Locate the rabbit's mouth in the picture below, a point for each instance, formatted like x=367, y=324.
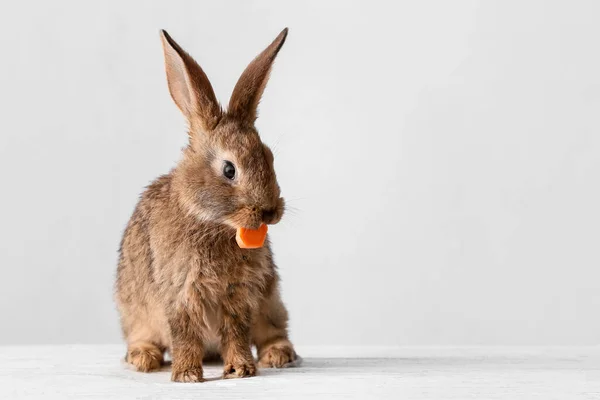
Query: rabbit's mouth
x=251, y=217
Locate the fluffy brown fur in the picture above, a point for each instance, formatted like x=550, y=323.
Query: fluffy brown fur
x=183, y=284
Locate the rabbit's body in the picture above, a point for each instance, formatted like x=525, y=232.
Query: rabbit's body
x=171, y=260
x=183, y=284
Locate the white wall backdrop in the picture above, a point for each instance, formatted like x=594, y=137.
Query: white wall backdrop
x=442, y=160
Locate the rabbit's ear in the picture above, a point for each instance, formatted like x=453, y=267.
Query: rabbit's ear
x=249, y=88
x=189, y=86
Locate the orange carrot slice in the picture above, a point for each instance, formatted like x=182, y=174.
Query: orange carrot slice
x=251, y=238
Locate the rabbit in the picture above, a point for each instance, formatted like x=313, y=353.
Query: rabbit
x=183, y=285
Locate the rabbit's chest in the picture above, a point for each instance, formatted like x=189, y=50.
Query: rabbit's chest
x=238, y=268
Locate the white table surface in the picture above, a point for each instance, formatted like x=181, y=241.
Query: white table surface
x=96, y=372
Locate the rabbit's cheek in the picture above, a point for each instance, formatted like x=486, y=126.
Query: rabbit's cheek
x=214, y=206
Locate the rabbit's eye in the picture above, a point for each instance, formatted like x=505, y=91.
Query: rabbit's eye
x=228, y=170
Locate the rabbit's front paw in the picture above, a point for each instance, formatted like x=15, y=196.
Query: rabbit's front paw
x=187, y=375
x=239, y=370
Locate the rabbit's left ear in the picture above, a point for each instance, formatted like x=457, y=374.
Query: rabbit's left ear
x=189, y=86
x=251, y=85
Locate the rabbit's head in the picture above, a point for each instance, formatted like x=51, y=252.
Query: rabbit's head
x=226, y=174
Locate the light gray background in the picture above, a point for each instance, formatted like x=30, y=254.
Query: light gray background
x=441, y=158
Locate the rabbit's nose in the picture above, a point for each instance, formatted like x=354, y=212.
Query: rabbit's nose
x=269, y=215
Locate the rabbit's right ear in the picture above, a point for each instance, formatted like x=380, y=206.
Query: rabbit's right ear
x=189, y=86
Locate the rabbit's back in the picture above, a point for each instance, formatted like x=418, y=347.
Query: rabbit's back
x=136, y=289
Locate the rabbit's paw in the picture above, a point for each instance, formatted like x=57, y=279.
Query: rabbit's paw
x=144, y=357
x=277, y=355
x=187, y=375
x=239, y=370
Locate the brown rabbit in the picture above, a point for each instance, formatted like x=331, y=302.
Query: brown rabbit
x=183, y=284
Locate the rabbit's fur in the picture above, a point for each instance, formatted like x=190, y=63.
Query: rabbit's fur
x=183, y=284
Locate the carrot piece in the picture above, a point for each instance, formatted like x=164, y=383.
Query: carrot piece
x=251, y=238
